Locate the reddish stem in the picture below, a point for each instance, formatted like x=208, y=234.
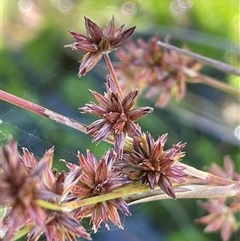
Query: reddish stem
x=113, y=74
x=25, y=104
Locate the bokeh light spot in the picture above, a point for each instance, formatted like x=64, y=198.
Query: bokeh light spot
x=231, y=113
x=64, y=5
x=175, y=7
x=25, y=5
x=129, y=8
x=232, y=57
x=237, y=132
x=185, y=3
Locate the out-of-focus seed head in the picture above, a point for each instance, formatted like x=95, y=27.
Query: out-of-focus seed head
x=220, y=218
x=222, y=211
x=227, y=172
x=160, y=71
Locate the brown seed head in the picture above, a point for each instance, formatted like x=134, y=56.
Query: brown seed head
x=118, y=115
x=97, y=42
x=61, y=225
x=98, y=177
x=151, y=164
x=21, y=186
x=23, y=182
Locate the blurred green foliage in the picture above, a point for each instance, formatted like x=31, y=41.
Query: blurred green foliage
x=35, y=66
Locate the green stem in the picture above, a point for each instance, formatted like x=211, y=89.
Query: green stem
x=229, y=188
x=48, y=205
x=22, y=232
x=136, y=192
x=130, y=189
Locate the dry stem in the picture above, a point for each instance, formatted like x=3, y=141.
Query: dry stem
x=25, y=104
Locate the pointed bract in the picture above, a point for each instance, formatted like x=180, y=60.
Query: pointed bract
x=21, y=185
x=98, y=41
x=99, y=178
x=149, y=163
x=118, y=116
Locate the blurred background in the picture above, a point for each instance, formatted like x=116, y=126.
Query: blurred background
x=36, y=67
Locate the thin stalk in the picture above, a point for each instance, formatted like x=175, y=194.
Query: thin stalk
x=208, y=61
x=198, y=176
x=228, y=188
x=130, y=189
x=196, y=77
x=187, y=192
x=37, y=109
x=135, y=193
x=219, y=85
x=113, y=74
x=49, y=205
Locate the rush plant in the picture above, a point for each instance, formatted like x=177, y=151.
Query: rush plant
x=36, y=199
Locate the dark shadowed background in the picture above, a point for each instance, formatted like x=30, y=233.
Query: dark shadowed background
x=35, y=66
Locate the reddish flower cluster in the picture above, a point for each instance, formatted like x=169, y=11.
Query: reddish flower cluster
x=221, y=217
x=221, y=211
x=98, y=41
x=99, y=177
x=149, y=163
x=33, y=195
x=118, y=115
x=148, y=65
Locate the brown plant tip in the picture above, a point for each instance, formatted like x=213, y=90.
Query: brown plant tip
x=60, y=226
x=160, y=71
x=97, y=42
x=98, y=177
x=21, y=187
x=23, y=182
x=149, y=163
x=118, y=115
